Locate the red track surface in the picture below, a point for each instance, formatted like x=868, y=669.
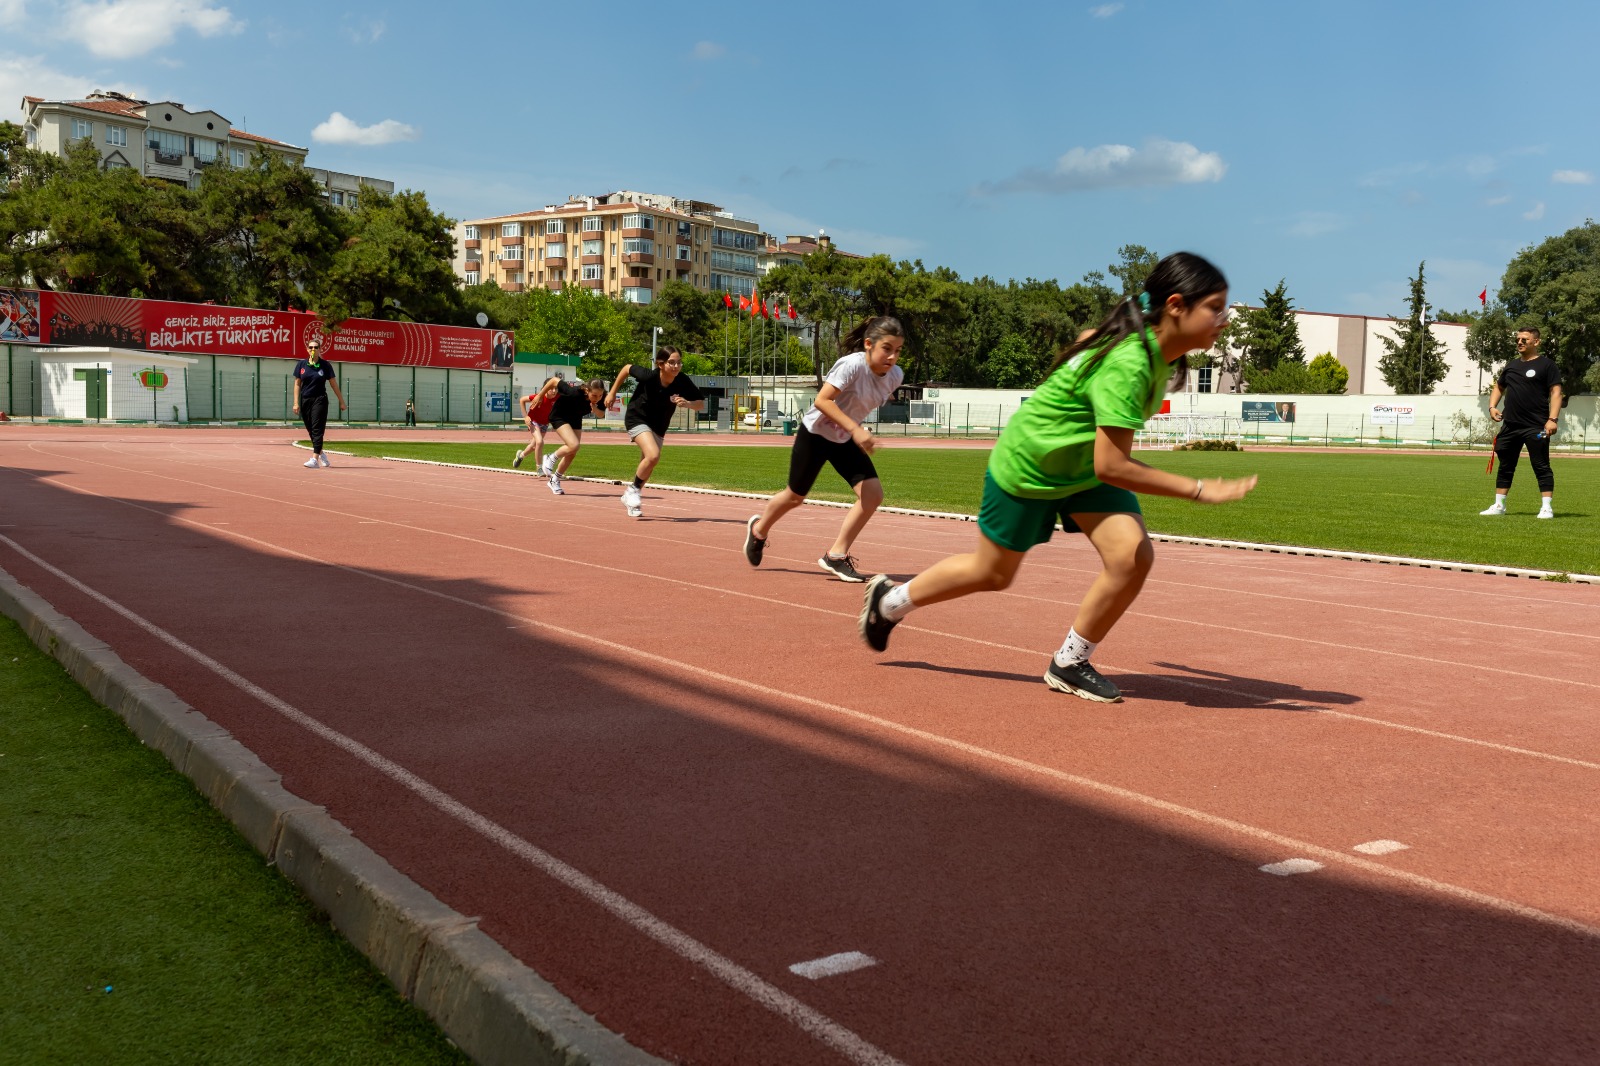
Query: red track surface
x=1040, y=879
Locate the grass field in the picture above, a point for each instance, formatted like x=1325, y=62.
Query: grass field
x=1416, y=505
x=139, y=927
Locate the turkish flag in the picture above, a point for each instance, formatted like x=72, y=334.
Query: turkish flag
x=1483, y=297
x=744, y=301
x=791, y=311
x=727, y=301
x=755, y=302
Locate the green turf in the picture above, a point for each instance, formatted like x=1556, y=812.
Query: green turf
x=140, y=928
x=1416, y=505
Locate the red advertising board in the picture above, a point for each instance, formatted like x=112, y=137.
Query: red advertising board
x=75, y=319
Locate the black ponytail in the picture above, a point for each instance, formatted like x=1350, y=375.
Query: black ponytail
x=1182, y=274
x=870, y=330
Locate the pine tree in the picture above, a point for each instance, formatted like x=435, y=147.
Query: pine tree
x=1268, y=334
x=1413, y=360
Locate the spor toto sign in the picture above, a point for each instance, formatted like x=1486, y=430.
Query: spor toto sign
x=76, y=319
x=1394, y=414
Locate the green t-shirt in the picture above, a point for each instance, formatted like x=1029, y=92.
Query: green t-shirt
x=1046, y=451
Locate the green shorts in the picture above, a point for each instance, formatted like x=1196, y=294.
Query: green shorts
x=1017, y=523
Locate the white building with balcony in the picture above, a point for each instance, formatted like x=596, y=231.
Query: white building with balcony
x=166, y=141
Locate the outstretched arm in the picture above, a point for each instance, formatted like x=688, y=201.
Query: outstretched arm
x=1114, y=464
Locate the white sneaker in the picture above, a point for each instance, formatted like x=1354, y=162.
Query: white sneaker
x=1545, y=512
x=323, y=459
x=555, y=485
x=548, y=466
x=1497, y=508
x=311, y=463
x=630, y=498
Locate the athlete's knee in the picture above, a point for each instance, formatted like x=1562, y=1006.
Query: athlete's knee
x=1130, y=560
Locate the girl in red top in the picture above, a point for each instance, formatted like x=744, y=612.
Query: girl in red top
x=536, y=408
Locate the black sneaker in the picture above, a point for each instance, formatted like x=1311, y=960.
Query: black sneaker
x=753, y=545
x=1083, y=680
x=873, y=625
x=844, y=569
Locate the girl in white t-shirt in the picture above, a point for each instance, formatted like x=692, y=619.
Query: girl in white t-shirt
x=832, y=432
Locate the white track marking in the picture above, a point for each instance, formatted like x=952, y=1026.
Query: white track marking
x=1380, y=847
x=833, y=965
x=1289, y=867
x=1130, y=797
x=810, y=1021
x=1174, y=678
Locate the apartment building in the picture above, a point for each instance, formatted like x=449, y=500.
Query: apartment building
x=625, y=244
x=166, y=141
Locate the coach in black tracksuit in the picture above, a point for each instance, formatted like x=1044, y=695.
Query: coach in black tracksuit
x=1530, y=385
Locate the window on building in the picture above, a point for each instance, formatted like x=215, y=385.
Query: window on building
x=635, y=295
x=594, y=247
x=168, y=144
x=613, y=249
x=471, y=233
x=593, y=224
x=593, y=272
x=350, y=201
x=336, y=199
x=510, y=229
x=683, y=253
x=555, y=251
x=510, y=254
x=639, y=222
x=117, y=135
x=555, y=225
x=637, y=246
x=205, y=151
x=734, y=261
x=685, y=229
x=1203, y=382
x=82, y=129
x=733, y=283
x=472, y=277
x=732, y=238
x=236, y=156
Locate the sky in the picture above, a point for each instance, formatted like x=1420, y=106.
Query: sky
x=1332, y=145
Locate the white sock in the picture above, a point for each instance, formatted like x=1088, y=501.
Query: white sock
x=1547, y=503
x=1074, y=650
x=896, y=603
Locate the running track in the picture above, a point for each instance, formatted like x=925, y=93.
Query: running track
x=625, y=707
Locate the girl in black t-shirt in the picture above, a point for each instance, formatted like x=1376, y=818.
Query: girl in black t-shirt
x=656, y=398
x=573, y=404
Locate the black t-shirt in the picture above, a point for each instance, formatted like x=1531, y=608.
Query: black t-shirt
x=313, y=379
x=1527, y=384
x=572, y=405
x=652, y=401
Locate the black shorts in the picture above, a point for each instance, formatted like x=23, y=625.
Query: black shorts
x=556, y=422
x=812, y=450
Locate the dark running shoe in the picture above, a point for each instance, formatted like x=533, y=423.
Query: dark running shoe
x=873, y=625
x=516, y=460
x=844, y=569
x=1083, y=680
x=753, y=545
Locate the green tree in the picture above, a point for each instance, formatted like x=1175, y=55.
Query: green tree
x=394, y=263
x=505, y=309
x=575, y=320
x=1013, y=364
x=1328, y=375
x=1287, y=377
x=1491, y=341
x=1269, y=335
x=1135, y=263
x=1413, y=359
x=1555, y=285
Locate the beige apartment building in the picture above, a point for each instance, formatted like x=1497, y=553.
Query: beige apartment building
x=165, y=141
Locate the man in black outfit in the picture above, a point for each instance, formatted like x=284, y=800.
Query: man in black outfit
x=1531, y=387
x=311, y=380
x=657, y=395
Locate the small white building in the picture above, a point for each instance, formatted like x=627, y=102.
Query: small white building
x=115, y=384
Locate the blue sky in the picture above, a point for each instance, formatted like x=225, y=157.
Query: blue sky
x=1333, y=145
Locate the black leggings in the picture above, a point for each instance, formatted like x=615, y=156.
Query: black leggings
x=314, y=413
x=1508, y=447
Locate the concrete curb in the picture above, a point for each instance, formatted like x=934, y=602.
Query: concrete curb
x=491, y=1005
x=1165, y=538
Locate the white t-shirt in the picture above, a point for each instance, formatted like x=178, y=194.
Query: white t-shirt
x=860, y=393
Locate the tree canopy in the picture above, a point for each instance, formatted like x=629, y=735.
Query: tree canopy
x=1413, y=359
x=1555, y=285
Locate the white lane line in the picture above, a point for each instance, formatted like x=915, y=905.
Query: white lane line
x=1380, y=847
x=1290, y=867
x=1174, y=678
x=628, y=653
x=812, y=1022
x=833, y=965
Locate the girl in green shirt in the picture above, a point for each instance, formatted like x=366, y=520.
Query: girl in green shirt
x=1067, y=456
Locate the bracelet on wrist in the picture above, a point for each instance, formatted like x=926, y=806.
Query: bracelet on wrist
x=1199, y=487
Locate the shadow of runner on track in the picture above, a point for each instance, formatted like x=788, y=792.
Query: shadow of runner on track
x=1013, y=921
x=1243, y=691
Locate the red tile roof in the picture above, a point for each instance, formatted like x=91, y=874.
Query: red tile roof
x=264, y=140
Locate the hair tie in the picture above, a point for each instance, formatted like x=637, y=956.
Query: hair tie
x=1144, y=302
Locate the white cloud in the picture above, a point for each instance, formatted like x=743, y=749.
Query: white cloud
x=340, y=130
x=1534, y=213
x=1496, y=201
x=29, y=76
x=1572, y=177
x=1105, y=11
x=367, y=31
x=119, y=29
x=1109, y=166
x=707, y=50
x=12, y=11
x=1315, y=224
